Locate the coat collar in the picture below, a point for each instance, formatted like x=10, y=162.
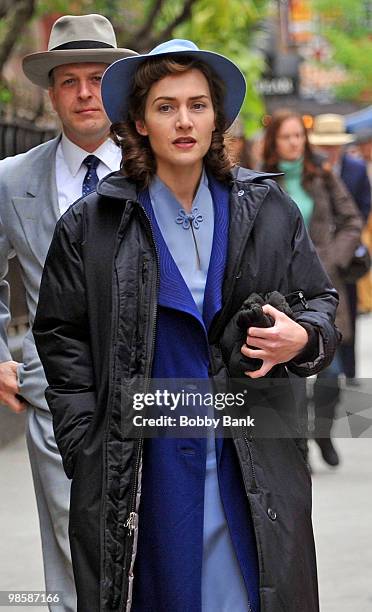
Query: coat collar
x=42, y=157
x=116, y=185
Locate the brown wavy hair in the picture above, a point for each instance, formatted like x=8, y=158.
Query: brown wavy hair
x=138, y=160
x=314, y=165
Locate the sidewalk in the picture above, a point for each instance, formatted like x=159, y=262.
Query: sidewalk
x=20, y=552
x=341, y=514
x=342, y=508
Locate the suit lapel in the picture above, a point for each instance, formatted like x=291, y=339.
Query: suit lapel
x=38, y=211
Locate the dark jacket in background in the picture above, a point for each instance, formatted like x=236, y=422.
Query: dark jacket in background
x=355, y=176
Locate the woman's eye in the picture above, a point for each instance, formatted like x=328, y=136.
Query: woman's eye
x=165, y=108
x=199, y=106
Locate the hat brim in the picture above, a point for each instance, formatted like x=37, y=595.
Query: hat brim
x=118, y=79
x=330, y=139
x=37, y=66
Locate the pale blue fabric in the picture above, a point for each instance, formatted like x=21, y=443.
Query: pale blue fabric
x=223, y=588
x=180, y=241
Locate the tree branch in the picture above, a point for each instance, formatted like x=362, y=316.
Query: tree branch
x=15, y=20
x=148, y=25
x=183, y=16
x=149, y=41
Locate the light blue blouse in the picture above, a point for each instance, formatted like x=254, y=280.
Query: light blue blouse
x=223, y=588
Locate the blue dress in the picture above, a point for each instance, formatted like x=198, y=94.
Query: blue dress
x=196, y=549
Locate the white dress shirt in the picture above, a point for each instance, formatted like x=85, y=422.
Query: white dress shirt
x=70, y=170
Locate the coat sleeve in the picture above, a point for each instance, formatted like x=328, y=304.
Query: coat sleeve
x=61, y=333
x=364, y=198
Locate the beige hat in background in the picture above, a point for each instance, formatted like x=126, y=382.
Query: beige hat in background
x=329, y=129
x=74, y=39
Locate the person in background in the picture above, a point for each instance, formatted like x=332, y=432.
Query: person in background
x=363, y=144
x=35, y=189
x=142, y=280
x=238, y=145
x=334, y=225
x=330, y=137
x=247, y=152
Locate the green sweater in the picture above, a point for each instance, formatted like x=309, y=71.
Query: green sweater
x=293, y=185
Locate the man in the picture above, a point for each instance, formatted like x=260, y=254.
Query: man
x=35, y=189
x=363, y=141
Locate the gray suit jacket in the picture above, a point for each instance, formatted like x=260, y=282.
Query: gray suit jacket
x=28, y=214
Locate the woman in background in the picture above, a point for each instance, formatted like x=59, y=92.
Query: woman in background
x=334, y=225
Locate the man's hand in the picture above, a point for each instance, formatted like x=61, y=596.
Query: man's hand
x=273, y=345
x=9, y=386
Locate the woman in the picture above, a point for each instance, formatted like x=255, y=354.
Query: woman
x=334, y=225
x=140, y=281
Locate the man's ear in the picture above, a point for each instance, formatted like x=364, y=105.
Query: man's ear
x=141, y=127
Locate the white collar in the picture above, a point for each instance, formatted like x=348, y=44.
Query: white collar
x=74, y=156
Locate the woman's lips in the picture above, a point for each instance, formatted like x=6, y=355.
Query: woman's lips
x=184, y=143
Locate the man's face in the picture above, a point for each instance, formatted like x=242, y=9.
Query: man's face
x=365, y=150
x=76, y=97
x=333, y=153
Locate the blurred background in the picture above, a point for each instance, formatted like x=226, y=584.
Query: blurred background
x=313, y=56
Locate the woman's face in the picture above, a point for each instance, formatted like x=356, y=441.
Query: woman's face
x=290, y=139
x=179, y=121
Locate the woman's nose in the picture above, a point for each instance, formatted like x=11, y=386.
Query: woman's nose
x=183, y=119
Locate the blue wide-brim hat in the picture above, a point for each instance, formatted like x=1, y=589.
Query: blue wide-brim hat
x=117, y=81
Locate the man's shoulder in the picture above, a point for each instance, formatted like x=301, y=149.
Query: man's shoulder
x=17, y=166
x=353, y=164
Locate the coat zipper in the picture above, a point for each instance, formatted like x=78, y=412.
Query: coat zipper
x=130, y=522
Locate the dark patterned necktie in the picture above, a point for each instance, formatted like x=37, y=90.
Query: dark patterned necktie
x=91, y=178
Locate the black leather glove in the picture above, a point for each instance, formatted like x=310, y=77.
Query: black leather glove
x=249, y=315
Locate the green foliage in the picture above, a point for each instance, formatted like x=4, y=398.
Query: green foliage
x=5, y=95
x=224, y=26
x=228, y=27
x=347, y=25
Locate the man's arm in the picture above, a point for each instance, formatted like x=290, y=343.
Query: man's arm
x=62, y=339
x=8, y=367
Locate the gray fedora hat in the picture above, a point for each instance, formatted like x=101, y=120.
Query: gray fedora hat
x=118, y=78
x=74, y=39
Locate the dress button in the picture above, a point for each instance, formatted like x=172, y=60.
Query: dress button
x=241, y=192
x=272, y=514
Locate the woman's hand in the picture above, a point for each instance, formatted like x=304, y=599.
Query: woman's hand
x=278, y=344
